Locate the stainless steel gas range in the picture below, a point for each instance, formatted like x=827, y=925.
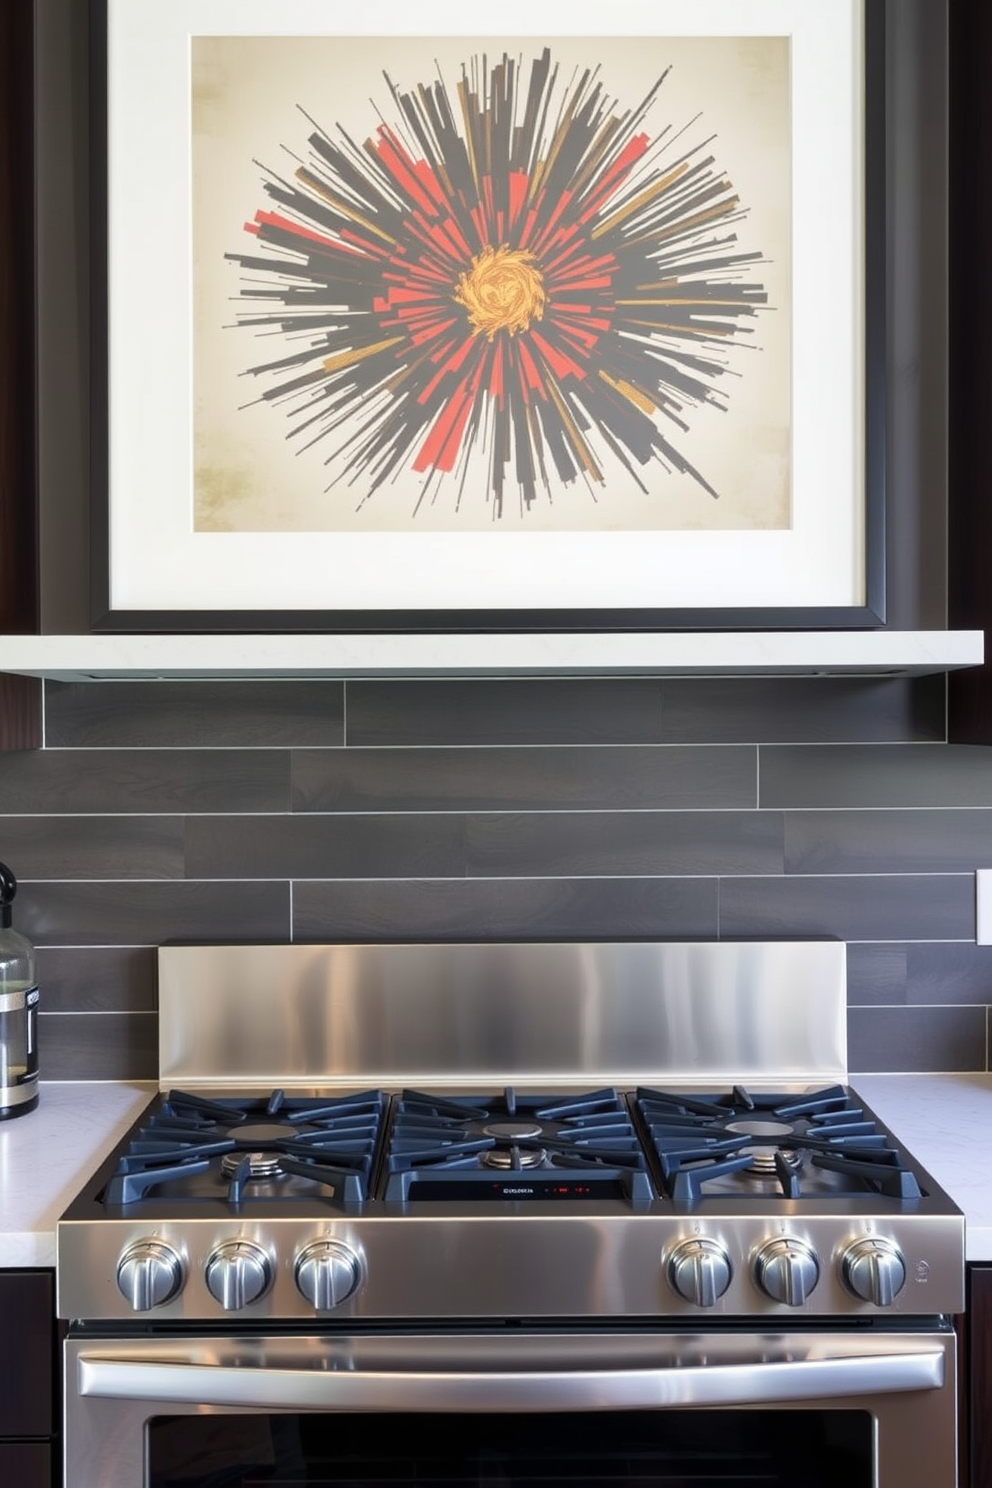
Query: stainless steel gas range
x=530, y=1186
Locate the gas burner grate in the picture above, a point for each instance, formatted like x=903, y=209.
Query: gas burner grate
x=513, y=1145
x=330, y=1141
x=818, y=1145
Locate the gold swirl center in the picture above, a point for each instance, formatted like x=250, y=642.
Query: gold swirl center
x=503, y=290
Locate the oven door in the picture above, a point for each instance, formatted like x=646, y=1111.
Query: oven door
x=517, y=1408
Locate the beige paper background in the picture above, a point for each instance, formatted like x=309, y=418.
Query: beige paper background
x=250, y=478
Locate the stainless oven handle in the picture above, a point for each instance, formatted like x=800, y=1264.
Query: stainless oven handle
x=751, y=1383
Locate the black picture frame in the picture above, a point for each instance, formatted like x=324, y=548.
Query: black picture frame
x=869, y=615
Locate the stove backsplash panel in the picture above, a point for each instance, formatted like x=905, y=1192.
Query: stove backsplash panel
x=481, y=1015
x=460, y=810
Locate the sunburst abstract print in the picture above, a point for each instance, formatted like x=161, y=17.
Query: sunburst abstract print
x=514, y=295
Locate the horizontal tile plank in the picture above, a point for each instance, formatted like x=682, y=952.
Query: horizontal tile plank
x=144, y=780
x=838, y=776
x=901, y=1040
x=529, y=778
x=97, y=1046
x=108, y=914
x=931, y=840
x=201, y=714
x=920, y=973
x=497, y=909
x=539, y=711
x=40, y=847
x=98, y=979
x=873, y=907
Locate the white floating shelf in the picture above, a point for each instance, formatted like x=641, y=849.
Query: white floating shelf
x=108, y=657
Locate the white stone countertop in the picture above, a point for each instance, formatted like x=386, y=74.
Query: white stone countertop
x=945, y=1121
x=46, y=1154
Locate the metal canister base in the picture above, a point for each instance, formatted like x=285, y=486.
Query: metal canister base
x=15, y=1103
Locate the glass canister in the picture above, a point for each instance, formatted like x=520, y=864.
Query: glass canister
x=18, y=1011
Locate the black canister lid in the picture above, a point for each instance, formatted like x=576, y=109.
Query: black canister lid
x=8, y=888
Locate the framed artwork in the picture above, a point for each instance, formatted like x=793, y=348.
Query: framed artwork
x=416, y=326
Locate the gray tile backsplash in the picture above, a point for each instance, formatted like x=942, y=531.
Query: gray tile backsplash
x=933, y=1038
x=98, y=979
x=720, y=710
x=884, y=841
x=111, y=781
x=124, y=913
x=594, y=777
x=219, y=714
x=686, y=808
x=508, y=909
x=837, y=775
x=903, y=906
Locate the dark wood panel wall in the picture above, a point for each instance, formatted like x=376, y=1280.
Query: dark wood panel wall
x=57, y=29
x=917, y=380
x=19, y=697
x=970, y=361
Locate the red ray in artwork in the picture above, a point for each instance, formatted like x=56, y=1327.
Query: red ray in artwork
x=440, y=449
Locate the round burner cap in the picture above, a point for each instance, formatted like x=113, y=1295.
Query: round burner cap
x=513, y=1157
x=749, y=1128
x=512, y=1131
x=262, y=1132
x=763, y=1160
x=260, y=1164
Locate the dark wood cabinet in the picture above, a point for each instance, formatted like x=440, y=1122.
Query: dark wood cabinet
x=28, y=1464
x=977, y=1411
x=29, y=1397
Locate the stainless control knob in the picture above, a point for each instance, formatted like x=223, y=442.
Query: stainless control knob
x=149, y=1273
x=238, y=1273
x=874, y=1270
x=699, y=1270
x=786, y=1270
x=327, y=1273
